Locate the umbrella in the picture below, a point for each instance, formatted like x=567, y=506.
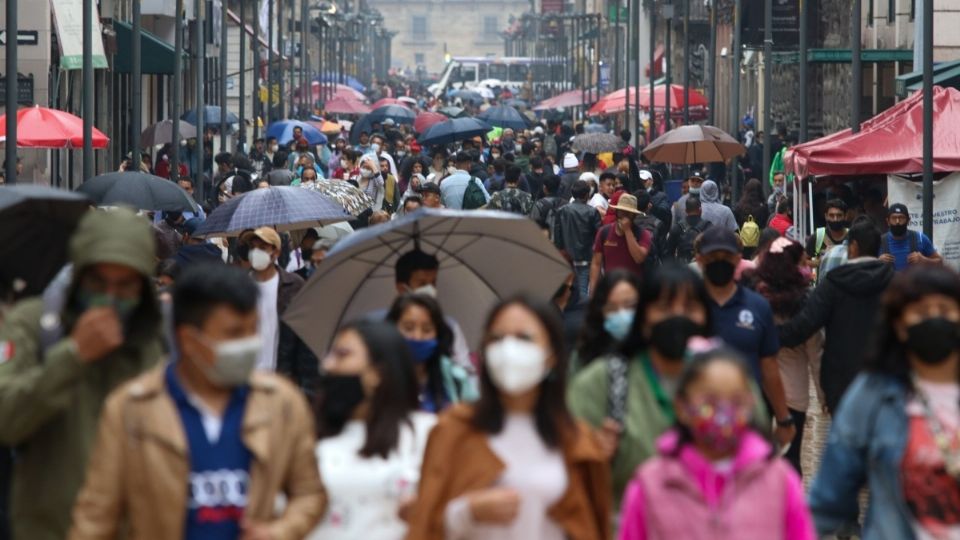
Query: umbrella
x=484, y=256
x=570, y=98
x=452, y=112
x=505, y=117
x=596, y=143
x=387, y=101
x=466, y=95
x=694, y=144
x=327, y=127
x=162, y=133
x=425, y=120
x=339, y=90
x=211, y=116
x=484, y=92
x=285, y=208
x=36, y=223
x=397, y=113
x=348, y=81
x=40, y=127
x=407, y=100
x=283, y=131
x=516, y=103
x=341, y=105
x=346, y=194
x=140, y=190
x=454, y=130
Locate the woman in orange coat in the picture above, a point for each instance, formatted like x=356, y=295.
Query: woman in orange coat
x=515, y=465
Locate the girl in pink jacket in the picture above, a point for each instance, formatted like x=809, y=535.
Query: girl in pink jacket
x=715, y=477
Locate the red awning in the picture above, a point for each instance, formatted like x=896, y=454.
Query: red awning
x=249, y=29
x=657, y=63
x=889, y=143
x=570, y=98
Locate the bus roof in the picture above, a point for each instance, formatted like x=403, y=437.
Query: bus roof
x=505, y=60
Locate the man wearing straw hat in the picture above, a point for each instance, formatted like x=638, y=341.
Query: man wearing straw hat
x=622, y=244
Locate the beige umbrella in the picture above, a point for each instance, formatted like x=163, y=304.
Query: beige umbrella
x=694, y=144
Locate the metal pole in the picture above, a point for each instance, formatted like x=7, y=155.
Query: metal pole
x=928, y=118
x=856, y=90
x=686, y=62
x=11, y=102
x=668, y=79
x=280, y=51
x=737, y=55
x=652, y=117
x=293, y=8
x=257, y=108
x=305, y=98
x=270, y=59
x=198, y=88
x=616, y=48
x=241, y=138
x=628, y=50
x=803, y=71
x=136, y=84
x=223, y=78
x=767, y=83
x=635, y=42
x=88, y=89
x=177, y=91
x=712, y=63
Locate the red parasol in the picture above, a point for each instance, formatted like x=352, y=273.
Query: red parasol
x=40, y=127
x=425, y=120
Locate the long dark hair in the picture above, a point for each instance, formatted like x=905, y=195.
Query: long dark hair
x=889, y=355
x=779, y=280
x=594, y=341
x=444, y=339
x=395, y=397
x=666, y=282
x=551, y=415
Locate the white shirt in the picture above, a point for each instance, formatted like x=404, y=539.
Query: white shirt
x=269, y=323
x=599, y=202
x=365, y=493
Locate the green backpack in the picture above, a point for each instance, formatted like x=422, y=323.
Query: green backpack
x=473, y=197
x=750, y=233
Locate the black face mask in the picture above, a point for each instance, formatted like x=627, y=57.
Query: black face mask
x=306, y=253
x=669, y=336
x=340, y=396
x=898, y=230
x=836, y=226
x=933, y=340
x=719, y=273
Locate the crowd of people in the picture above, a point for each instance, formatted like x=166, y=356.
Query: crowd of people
x=155, y=390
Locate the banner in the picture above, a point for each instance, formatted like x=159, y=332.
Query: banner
x=68, y=19
x=946, y=216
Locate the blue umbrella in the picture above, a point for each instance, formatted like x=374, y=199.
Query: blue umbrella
x=398, y=114
x=347, y=80
x=504, y=117
x=285, y=208
x=454, y=130
x=211, y=116
x=466, y=95
x=283, y=131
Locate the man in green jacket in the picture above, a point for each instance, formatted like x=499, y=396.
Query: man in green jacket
x=96, y=326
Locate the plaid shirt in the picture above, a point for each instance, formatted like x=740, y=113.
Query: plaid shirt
x=834, y=257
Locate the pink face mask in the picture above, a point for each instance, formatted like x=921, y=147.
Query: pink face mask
x=719, y=424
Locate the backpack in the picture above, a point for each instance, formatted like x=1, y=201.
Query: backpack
x=473, y=197
x=550, y=220
x=913, y=236
x=689, y=236
x=750, y=233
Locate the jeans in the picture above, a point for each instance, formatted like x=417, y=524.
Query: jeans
x=581, y=283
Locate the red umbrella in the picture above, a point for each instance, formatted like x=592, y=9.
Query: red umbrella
x=339, y=91
x=346, y=106
x=614, y=101
x=570, y=98
x=389, y=101
x=40, y=127
x=425, y=120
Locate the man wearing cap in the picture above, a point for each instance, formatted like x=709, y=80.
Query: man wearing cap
x=453, y=187
x=622, y=244
x=281, y=349
x=744, y=320
x=571, y=173
x=96, y=326
x=680, y=207
x=903, y=247
x=430, y=192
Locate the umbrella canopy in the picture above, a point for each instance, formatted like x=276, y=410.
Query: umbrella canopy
x=388, y=101
x=162, y=133
x=457, y=129
x=397, y=113
x=452, y=112
x=516, y=103
x=328, y=127
x=467, y=95
x=425, y=120
x=211, y=116
x=596, y=143
x=407, y=100
x=339, y=91
x=341, y=105
x=570, y=98
x=505, y=117
x=694, y=144
x=285, y=208
x=40, y=127
x=348, y=81
x=350, y=197
x=484, y=256
x=283, y=131
x=36, y=223
x=139, y=190
x=614, y=101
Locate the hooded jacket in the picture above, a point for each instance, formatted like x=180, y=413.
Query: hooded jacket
x=49, y=400
x=713, y=210
x=845, y=304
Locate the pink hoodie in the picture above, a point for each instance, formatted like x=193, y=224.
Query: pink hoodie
x=658, y=502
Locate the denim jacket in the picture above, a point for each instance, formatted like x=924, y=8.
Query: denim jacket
x=866, y=446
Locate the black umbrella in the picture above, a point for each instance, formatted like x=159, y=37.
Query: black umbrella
x=504, y=117
x=397, y=113
x=139, y=190
x=454, y=130
x=36, y=223
x=162, y=133
x=211, y=116
x=285, y=208
x=452, y=112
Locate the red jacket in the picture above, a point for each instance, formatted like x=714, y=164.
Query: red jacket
x=781, y=223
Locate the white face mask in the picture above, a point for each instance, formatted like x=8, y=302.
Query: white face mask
x=274, y=148
x=375, y=148
x=516, y=366
x=235, y=360
x=343, y=164
x=260, y=259
x=426, y=290
x=366, y=173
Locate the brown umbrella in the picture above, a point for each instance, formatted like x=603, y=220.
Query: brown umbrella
x=694, y=144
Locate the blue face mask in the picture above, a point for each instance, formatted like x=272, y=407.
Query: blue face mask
x=422, y=349
x=618, y=323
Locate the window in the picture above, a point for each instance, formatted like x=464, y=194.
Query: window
x=891, y=11
x=498, y=71
x=419, y=59
x=490, y=26
x=518, y=73
x=869, y=12
x=913, y=9
x=419, y=30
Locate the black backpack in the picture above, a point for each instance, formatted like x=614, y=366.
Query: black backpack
x=685, y=251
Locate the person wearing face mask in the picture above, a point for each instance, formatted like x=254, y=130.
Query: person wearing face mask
x=744, y=320
x=202, y=446
x=902, y=247
x=371, y=436
x=336, y=155
x=515, y=465
x=834, y=234
x=713, y=476
x=281, y=350
x=370, y=180
x=441, y=381
x=609, y=317
x=680, y=207
x=347, y=169
x=897, y=428
x=96, y=326
x=627, y=396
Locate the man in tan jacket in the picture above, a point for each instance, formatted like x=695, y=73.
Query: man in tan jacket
x=202, y=447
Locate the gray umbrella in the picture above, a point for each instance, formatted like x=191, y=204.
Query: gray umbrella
x=484, y=256
x=597, y=143
x=162, y=133
x=139, y=190
x=284, y=208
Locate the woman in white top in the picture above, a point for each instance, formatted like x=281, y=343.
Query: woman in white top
x=371, y=437
x=371, y=179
